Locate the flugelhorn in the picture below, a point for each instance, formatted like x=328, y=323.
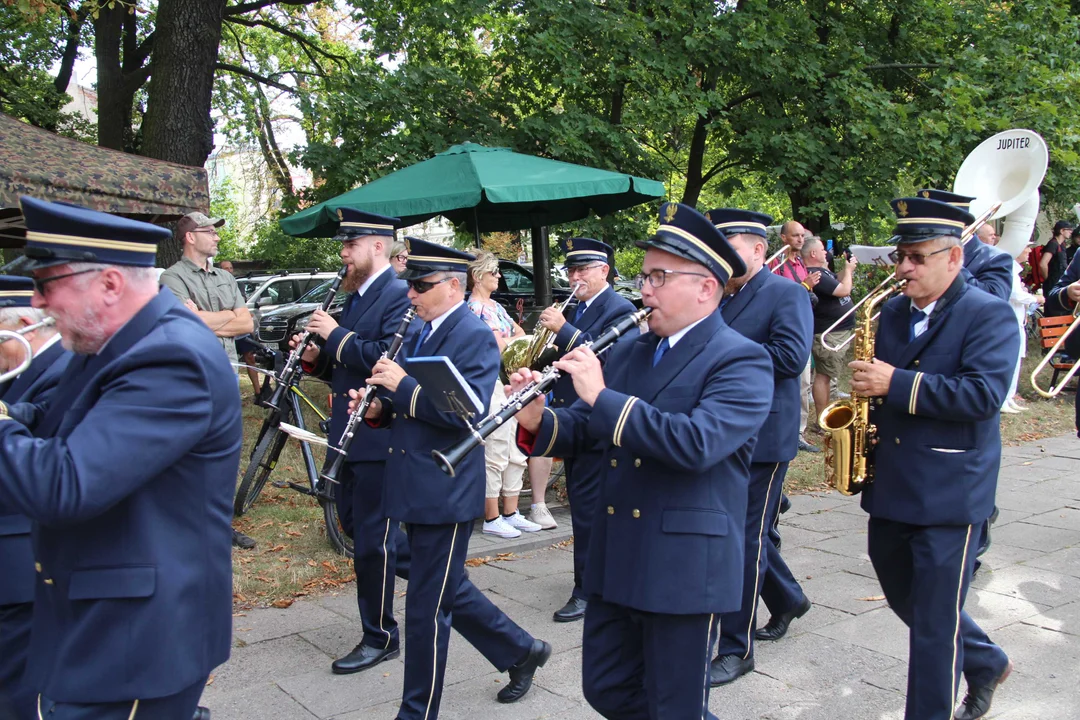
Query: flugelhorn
x=342, y=448
x=448, y=459
x=530, y=350
x=292, y=365
x=28, y=354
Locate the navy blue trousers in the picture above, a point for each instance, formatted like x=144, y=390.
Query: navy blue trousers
x=646, y=666
x=583, y=490
x=924, y=572
x=180, y=706
x=780, y=590
x=17, y=702
x=762, y=505
x=375, y=549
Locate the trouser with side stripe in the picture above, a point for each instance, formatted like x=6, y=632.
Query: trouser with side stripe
x=180, y=706
x=924, y=572
x=375, y=555
x=763, y=503
x=646, y=666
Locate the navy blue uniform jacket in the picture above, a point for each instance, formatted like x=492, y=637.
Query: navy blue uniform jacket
x=16, y=556
x=987, y=268
x=131, y=499
x=1058, y=303
x=608, y=307
x=416, y=490
x=776, y=313
x=939, y=438
x=364, y=333
x=668, y=535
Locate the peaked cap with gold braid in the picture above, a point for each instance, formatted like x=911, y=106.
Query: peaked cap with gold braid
x=687, y=233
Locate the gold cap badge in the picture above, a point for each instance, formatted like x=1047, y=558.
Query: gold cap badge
x=925, y=193
x=340, y=215
x=408, y=245
x=569, y=244
x=669, y=213
x=901, y=209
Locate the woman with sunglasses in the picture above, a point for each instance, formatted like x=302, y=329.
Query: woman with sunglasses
x=505, y=462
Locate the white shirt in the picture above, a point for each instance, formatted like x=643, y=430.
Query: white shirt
x=48, y=344
x=590, y=300
x=672, y=339
x=372, y=279
x=439, y=320
x=920, y=327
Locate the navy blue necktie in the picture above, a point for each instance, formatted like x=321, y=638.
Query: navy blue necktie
x=662, y=348
x=581, y=308
x=350, y=302
x=424, y=332
x=916, y=317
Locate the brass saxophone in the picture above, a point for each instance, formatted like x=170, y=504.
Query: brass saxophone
x=849, y=436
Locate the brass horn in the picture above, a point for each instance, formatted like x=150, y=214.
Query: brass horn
x=1055, y=389
x=532, y=351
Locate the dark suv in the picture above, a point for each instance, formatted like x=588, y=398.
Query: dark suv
x=515, y=294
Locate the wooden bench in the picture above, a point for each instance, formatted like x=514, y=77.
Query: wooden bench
x=1050, y=330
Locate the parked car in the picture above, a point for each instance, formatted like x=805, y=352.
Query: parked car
x=517, y=290
x=278, y=324
x=267, y=291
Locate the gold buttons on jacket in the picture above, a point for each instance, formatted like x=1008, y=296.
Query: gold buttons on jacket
x=48, y=581
x=916, y=363
x=614, y=462
x=636, y=513
x=402, y=451
x=37, y=567
x=393, y=416
x=897, y=441
x=391, y=451
x=610, y=510
x=637, y=462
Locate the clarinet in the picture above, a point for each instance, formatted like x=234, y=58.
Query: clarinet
x=342, y=448
x=448, y=459
x=292, y=366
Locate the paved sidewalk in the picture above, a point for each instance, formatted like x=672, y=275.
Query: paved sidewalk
x=845, y=660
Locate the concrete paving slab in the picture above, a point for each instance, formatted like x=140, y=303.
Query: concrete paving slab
x=265, y=662
x=994, y=611
x=1035, y=537
x=818, y=617
x=848, y=592
x=1063, y=619
x=1006, y=516
x=269, y=623
x=1040, y=654
x=1029, y=502
x=476, y=699
x=336, y=640
x=547, y=593
x=878, y=630
x=815, y=502
x=793, y=537
x=1027, y=583
x=830, y=522
x=1065, y=518
x=1063, y=487
x=255, y=703
x=855, y=701
x=822, y=666
x=1000, y=556
x=753, y=696
x=324, y=694
x=849, y=545
x=1065, y=561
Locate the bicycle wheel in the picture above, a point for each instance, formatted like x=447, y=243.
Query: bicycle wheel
x=341, y=542
x=263, y=460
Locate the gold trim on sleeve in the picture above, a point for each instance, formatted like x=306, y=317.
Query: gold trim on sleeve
x=554, y=432
x=621, y=422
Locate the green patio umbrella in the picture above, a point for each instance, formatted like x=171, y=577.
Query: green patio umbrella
x=488, y=189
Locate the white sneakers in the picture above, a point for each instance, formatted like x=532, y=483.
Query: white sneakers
x=1012, y=407
x=541, y=516
x=509, y=527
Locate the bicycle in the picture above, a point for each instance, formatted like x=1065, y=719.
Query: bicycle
x=267, y=450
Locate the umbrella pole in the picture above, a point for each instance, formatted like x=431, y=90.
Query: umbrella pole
x=476, y=228
x=541, y=266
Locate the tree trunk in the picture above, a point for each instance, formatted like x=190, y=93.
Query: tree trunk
x=114, y=105
x=800, y=199
x=177, y=126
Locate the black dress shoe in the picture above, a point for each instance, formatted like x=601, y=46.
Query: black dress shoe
x=807, y=447
x=361, y=658
x=574, y=609
x=521, y=675
x=777, y=626
x=785, y=504
x=242, y=541
x=201, y=713
x=977, y=701
x=728, y=668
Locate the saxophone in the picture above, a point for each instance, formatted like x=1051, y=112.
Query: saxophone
x=849, y=436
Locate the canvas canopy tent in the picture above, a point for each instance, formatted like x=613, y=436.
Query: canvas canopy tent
x=43, y=164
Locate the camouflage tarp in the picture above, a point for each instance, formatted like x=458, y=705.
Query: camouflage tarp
x=40, y=163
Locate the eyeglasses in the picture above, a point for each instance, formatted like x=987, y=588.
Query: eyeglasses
x=401, y=258
x=657, y=278
x=899, y=256
x=496, y=273
x=40, y=283
x=577, y=269
x=420, y=287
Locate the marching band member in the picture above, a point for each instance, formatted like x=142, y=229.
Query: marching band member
x=16, y=555
x=985, y=267
x=130, y=484
x=677, y=410
x=775, y=313
x=598, y=307
x=438, y=512
x=377, y=300
x=1066, y=294
x=944, y=356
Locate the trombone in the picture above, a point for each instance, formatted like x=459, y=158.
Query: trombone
x=28, y=352
x=769, y=260
x=1054, y=390
x=968, y=233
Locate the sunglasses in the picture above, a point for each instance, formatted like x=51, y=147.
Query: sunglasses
x=40, y=283
x=420, y=286
x=899, y=256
